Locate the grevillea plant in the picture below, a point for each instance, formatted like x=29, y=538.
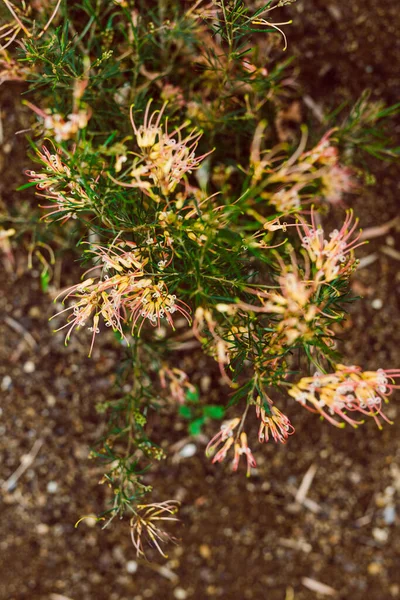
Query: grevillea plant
x=201, y=223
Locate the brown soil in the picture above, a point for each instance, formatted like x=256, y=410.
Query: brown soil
x=240, y=539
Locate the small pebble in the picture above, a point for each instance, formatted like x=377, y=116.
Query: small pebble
x=29, y=366
x=380, y=535
x=374, y=568
x=389, y=514
x=205, y=551
x=377, y=303
x=188, y=451
x=52, y=487
x=51, y=401
x=90, y=521
x=131, y=566
x=6, y=383
x=180, y=593
x=42, y=528
x=395, y=590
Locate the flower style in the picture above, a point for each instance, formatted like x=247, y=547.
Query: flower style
x=293, y=303
x=122, y=294
x=240, y=449
x=154, y=303
x=219, y=347
x=144, y=523
x=225, y=437
x=164, y=157
x=348, y=389
x=67, y=196
x=273, y=422
x=332, y=258
x=336, y=181
x=177, y=382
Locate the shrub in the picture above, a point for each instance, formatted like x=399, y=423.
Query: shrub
x=162, y=155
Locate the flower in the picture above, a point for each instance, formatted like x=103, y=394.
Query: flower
x=154, y=302
x=336, y=181
x=164, y=158
x=324, y=152
x=348, y=389
x=273, y=422
x=218, y=347
x=333, y=257
x=144, y=523
x=240, y=449
x=177, y=382
x=293, y=304
x=225, y=437
x=121, y=294
x=67, y=196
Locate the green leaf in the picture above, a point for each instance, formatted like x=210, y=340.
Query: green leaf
x=192, y=395
x=44, y=280
x=185, y=411
x=26, y=186
x=214, y=412
x=195, y=426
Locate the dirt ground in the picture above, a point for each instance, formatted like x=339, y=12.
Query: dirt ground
x=239, y=538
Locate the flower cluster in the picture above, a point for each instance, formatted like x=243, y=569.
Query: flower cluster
x=293, y=304
x=287, y=185
x=67, y=196
x=164, y=158
x=204, y=323
x=334, y=257
x=143, y=524
x=176, y=382
x=273, y=422
x=226, y=437
x=347, y=390
x=65, y=129
x=122, y=294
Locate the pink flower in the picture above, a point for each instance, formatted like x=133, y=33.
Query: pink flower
x=273, y=422
x=348, y=389
x=224, y=436
x=164, y=157
x=67, y=197
x=176, y=382
x=333, y=257
x=153, y=303
x=240, y=449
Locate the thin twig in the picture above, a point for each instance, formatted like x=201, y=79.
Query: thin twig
x=373, y=232
x=26, y=462
x=160, y=569
x=317, y=586
x=28, y=337
x=51, y=18
x=367, y=260
x=10, y=8
x=305, y=484
x=390, y=252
